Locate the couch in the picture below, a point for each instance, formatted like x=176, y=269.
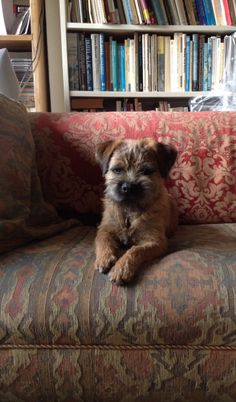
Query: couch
x=66, y=332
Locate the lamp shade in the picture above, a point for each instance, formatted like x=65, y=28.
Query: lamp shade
x=9, y=85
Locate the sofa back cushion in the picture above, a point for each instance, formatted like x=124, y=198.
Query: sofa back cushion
x=203, y=179
x=24, y=215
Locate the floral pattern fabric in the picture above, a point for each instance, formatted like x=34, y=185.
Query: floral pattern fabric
x=203, y=179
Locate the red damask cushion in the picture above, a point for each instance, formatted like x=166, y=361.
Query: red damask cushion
x=203, y=180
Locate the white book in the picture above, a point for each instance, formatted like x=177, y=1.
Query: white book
x=167, y=64
x=95, y=42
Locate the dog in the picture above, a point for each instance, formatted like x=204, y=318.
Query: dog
x=139, y=214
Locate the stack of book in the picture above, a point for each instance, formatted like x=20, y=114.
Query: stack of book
x=150, y=62
x=161, y=12
x=22, y=64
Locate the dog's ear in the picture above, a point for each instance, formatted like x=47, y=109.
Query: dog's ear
x=103, y=153
x=166, y=156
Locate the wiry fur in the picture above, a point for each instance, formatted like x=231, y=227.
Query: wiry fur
x=138, y=214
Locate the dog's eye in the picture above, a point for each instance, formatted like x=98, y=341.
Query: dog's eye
x=117, y=170
x=147, y=171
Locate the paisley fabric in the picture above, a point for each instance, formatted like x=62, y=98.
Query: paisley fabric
x=24, y=215
x=68, y=334
x=203, y=180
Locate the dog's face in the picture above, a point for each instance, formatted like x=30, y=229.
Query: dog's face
x=133, y=169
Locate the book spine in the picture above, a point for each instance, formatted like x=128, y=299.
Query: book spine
x=119, y=67
x=159, y=12
x=126, y=12
x=114, y=65
x=187, y=64
x=145, y=11
x=82, y=62
x=207, y=5
x=89, y=68
x=131, y=17
x=195, y=63
x=205, y=68
x=73, y=61
x=140, y=63
x=209, y=64
x=102, y=62
x=190, y=12
x=161, y=63
x=227, y=13
x=201, y=12
x=96, y=61
x=200, y=61
x=123, y=84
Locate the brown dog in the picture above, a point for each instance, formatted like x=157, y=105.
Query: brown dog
x=139, y=214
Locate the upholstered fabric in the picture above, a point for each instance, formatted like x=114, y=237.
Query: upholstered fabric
x=24, y=215
x=203, y=180
x=75, y=336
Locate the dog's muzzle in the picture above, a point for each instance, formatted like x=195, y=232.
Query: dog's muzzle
x=130, y=190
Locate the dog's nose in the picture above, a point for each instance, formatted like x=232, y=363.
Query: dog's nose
x=125, y=187
x=131, y=188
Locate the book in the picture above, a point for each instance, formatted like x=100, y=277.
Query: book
x=227, y=12
x=209, y=13
x=114, y=65
x=102, y=62
x=145, y=11
x=201, y=12
x=161, y=62
x=82, y=61
x=172, y=11
x=73, y=66
x=159, y=11
x=181, y=12
x=190, y=12
x=187, y=63
x=95, y=42
x=88, y=60
x=195, y=62
x=167, y=63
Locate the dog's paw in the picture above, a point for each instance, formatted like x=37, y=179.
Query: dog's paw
x=121, y=274
x=105, y=262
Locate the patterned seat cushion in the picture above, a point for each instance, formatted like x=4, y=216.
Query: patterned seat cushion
x=52, y=301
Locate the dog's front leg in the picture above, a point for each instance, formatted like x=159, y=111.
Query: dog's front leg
x=106, y=250
x=126, y=267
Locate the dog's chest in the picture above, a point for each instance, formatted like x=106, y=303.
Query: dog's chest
x=128, y=227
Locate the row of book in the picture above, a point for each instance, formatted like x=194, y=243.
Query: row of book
x=123, y=105
x=161, y=12
x=148, y=63
x=23, y=67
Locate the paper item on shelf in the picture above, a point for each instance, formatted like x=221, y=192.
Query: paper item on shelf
x=21, y=24
x=7, y=16
x=8, y=82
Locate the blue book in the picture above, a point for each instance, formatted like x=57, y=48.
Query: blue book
x=187, y=63
x=89, y=67
x=209, y=13
x=126, y=11
x=195, y=63
x=122, y=65
x=114, y=65
x=102, y=62
x=209, y=62
x=201, y=12
x=118, y=67
x=205, y=66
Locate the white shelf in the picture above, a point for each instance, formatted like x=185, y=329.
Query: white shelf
x=125, y=28
x=119, y=94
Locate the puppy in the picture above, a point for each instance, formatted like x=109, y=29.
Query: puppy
x=138, y=214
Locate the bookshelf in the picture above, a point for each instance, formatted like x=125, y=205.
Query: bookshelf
x=60, y=64
x=34, y=43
